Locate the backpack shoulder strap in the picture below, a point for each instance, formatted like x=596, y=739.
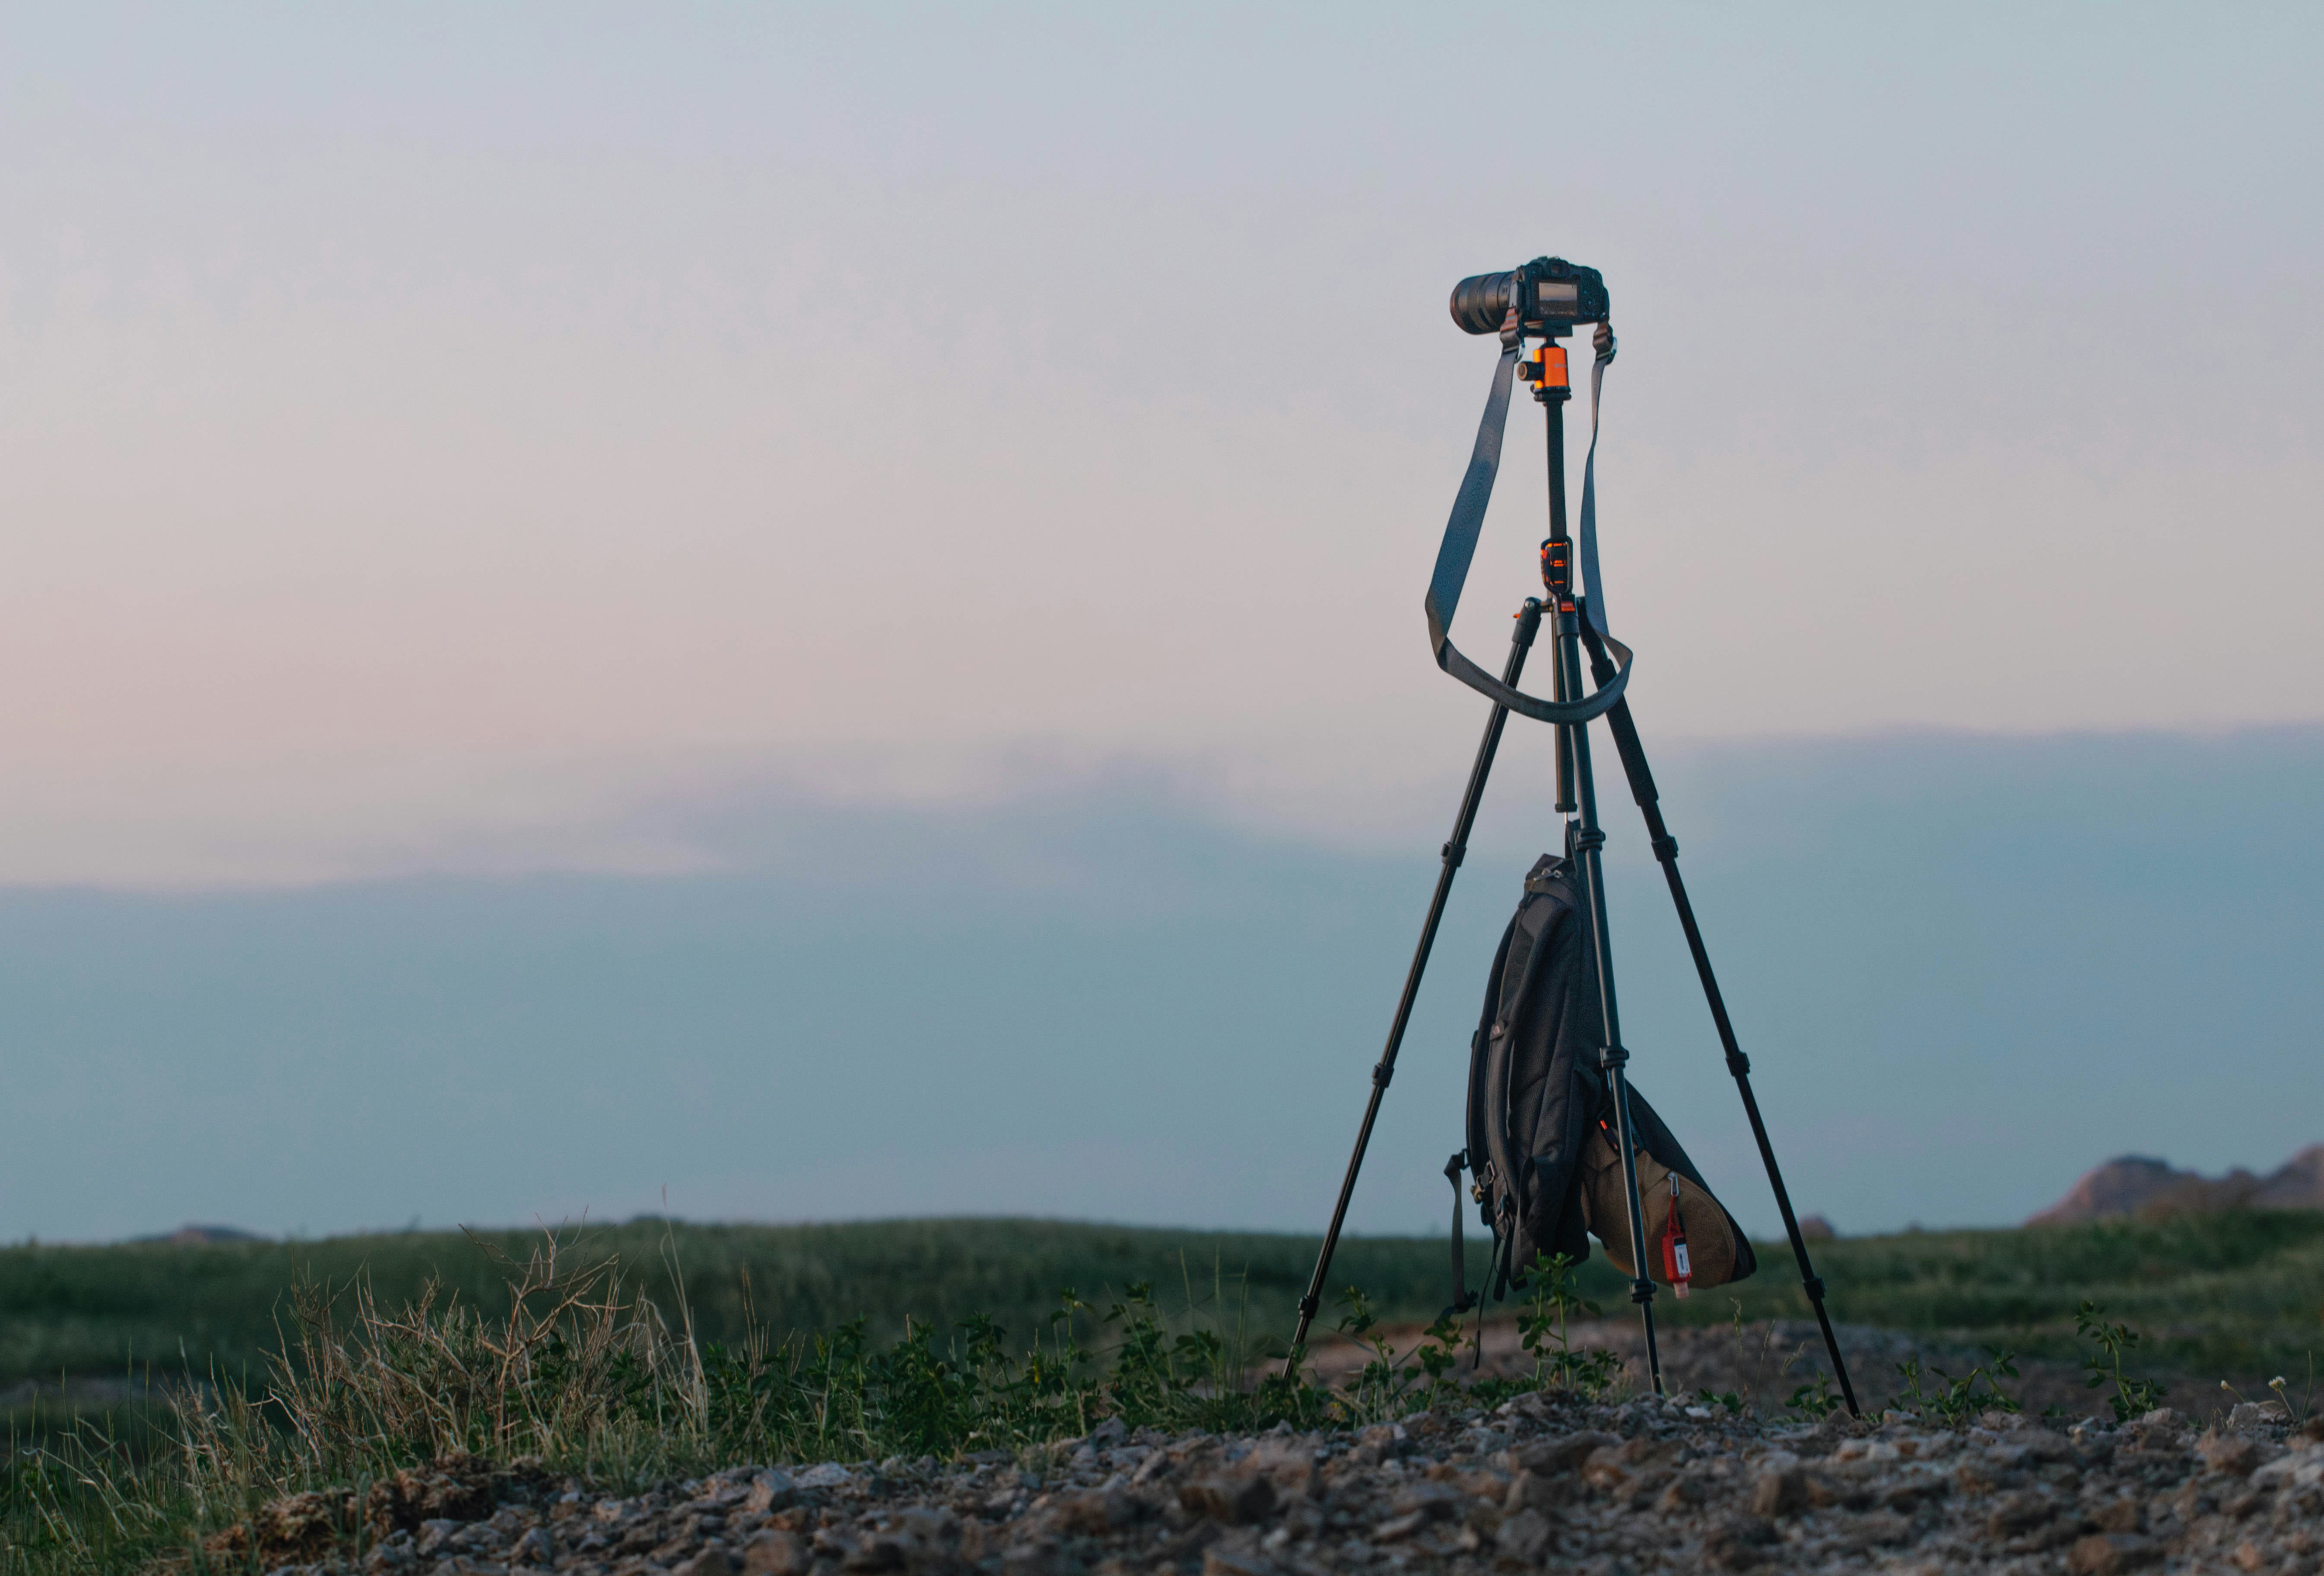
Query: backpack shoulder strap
x=1493, y=1154
x=1480, y=1048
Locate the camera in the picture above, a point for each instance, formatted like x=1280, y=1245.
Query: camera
x=1551, y=296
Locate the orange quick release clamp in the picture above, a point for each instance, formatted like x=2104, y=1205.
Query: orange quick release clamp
x=1544, y=369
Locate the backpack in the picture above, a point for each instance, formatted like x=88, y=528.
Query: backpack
x=1541, y=1133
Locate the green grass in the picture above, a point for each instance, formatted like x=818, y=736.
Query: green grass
x=559, y=1357
x=2221, y=1295
x=101, y=1310
x=759, y=1354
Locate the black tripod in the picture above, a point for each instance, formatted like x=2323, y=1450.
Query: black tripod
x=1573, y=629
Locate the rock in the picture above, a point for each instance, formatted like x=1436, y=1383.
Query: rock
x=2117, y=1187
x=1037, y=1558
x=776, y=1552
x=1380, y=1443
x=1397, y=1529
x=1532, y=1490
x=2297, y=1184
x=1524, y=1537
x=1430, y=1501
x=1289, y=1460
x=1224, y=1560
x=2014, y=1514
x=1562, y=1454
x=1605, y=1469
x=2230, y=1455
x=435, y=1535
x=460, y=1488
x=1097, y=1511
x=2103, y=1553
x=2138, y=1184
x=1738, y=1543
x=1779, y=1491
x=2296, y=1466
x=768, y=1492
x=912, y=1537
x=873, y=1552
x=1237, y=1498
x=2008, y=1494
x=1687, y=1490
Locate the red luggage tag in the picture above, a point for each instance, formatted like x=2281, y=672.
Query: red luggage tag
x=1676, y=1268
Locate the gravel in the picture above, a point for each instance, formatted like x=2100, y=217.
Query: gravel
x=1542, y=1483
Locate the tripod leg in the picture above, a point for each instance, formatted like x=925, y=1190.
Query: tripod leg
x=1589, y=841
x=1520, y=641
x=1619, y=724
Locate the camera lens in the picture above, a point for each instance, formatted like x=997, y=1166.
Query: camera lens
x=1480, y=302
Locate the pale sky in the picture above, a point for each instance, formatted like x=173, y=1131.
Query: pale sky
x=905, y=527
x=432, y=434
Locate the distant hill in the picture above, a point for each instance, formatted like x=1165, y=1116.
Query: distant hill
x=2150, y=1188
x=198, y=1236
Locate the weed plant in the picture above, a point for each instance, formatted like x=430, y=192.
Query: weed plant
x=1552, y=1299
x=1956, y=1402
x=2132, y=1398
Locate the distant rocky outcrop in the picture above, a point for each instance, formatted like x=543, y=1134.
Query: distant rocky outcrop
x=2297, y=1184
x=191, y=1235
x=2138, y=1185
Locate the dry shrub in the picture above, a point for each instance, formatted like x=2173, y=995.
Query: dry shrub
x=372, y=1422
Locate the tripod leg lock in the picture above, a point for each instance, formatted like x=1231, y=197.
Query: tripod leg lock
x=1588, y=839
x=1642, y=1291
x=1612, y=1056
x=1381, y=1072
x=1665, y=848
x=1454, y=853
x=1739, y=1065
x=1814, y=1286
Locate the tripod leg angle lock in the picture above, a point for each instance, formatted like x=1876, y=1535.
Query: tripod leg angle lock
x=1545, y=300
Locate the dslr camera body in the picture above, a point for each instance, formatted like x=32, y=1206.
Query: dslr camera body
x=1550, y=294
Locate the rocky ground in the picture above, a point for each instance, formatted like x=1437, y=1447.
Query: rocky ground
x=1542, y=1482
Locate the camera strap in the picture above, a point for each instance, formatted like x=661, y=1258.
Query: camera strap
x=1459, y=546
x=1593, y=606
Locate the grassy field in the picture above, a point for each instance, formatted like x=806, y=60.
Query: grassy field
x=606, y=1384
x=2221, y=1297
x=101, y=1310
